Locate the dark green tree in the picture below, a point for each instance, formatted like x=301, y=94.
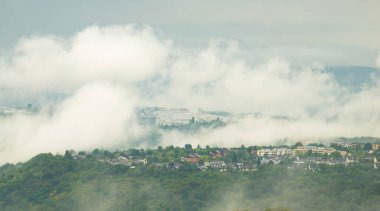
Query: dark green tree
x=367, y=146
x=298, y=144
x=188, y=147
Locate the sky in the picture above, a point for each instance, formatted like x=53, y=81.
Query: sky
x=339, y=32
x=88, y=65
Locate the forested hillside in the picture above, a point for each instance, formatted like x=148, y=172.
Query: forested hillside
x=54, y=182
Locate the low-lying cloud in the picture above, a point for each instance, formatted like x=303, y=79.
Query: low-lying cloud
x=105, y=72
x=96, y=115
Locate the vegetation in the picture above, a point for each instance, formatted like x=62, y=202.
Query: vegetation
x=56, y=182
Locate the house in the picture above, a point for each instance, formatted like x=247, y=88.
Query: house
x=375, y=146
x=267, y=161
x=138, y=162
x=343, y=153
x=302, y=149
x=192, y=158
x=216, y=154
x=121, y=160
x=245, y=166
x=323, y=150
x=217, y=164
x=274, y=152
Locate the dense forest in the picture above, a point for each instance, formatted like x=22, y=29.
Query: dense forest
x=56, y=182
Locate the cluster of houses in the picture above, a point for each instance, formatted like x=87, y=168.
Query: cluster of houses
x=329, y=161
x=222, y=166
x=276, y=155
x=219, y=159
x=192, y=158
x=195, y=158
x=217, y=165
x=276, y=152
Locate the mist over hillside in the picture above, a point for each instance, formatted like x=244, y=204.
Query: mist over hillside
x=244, y=105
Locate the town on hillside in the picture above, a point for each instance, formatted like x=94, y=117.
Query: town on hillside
x=308, y=156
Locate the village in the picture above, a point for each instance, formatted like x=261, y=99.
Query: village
x=309, y=156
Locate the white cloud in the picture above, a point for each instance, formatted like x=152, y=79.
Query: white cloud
x=97, y=115
x=215, y=79
x=265, y=131
x=118, y=53
x=100, y=68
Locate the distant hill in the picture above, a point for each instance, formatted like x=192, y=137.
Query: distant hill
x=358, y=140
x=353, y=77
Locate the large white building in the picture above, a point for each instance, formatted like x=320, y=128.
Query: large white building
x=274, y=152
